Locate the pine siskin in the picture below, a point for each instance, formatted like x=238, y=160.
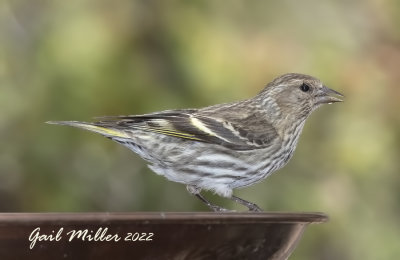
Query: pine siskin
x=225, y=146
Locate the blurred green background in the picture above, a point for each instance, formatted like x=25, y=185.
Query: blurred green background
x=73, y=60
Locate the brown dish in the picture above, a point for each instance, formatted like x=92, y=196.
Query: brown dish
x=158, y=235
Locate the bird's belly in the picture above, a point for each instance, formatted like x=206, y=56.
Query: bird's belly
x=226, y=167
x=264, y=167
x=212, y=167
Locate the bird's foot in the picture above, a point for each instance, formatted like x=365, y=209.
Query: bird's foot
x=254, y=208
x=251, y=206
x=213, y=207
x=216, y=208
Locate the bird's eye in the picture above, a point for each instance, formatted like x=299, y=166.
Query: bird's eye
x=304, y=87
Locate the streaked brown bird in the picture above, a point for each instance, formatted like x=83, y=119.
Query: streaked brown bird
x=225, y=146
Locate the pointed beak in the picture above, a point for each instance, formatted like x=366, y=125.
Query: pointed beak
x=328, y=96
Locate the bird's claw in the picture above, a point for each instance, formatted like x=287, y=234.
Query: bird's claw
x=220, y=209
x=254, y=208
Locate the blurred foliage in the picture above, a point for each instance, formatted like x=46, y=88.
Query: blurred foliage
x=72, y=60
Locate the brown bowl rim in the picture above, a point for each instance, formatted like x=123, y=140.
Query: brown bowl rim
x=165, y=217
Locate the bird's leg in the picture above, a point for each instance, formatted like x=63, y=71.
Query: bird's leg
x=196, y=192
x=251, y=206
x=210, y=205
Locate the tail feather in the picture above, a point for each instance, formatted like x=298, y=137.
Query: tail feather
x=106, y=131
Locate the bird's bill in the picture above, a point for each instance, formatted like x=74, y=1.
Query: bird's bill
x=328, y=96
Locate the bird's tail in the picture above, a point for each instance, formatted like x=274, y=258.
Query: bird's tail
x=106, y=131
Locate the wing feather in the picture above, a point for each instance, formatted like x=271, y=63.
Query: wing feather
x=190, y=125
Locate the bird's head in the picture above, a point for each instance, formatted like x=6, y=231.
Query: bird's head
x=299, y=94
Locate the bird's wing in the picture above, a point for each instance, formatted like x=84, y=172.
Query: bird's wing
x=187, y=124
